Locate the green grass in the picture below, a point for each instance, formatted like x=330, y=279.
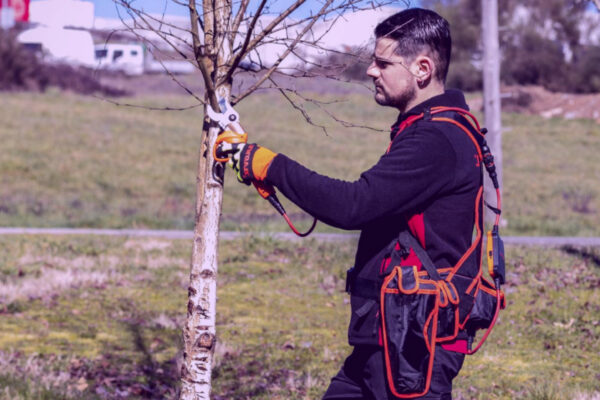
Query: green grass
x=97, y=317
x=92, y=316
x=550, y=177
x=77, y=161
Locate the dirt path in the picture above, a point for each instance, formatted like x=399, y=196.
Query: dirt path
x=536, y=100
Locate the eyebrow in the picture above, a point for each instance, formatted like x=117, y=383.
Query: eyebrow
x=387, y=60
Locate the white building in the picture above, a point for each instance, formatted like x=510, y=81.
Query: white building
x=60, y=31
x=61, y=45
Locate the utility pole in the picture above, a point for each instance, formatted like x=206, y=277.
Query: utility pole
x=7, y=16
x=491, y=93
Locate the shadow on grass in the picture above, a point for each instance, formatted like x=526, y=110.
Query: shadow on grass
x=115, y=376
x=237, y=376
x=589, y=255
x=249, y=380
x=162, y=379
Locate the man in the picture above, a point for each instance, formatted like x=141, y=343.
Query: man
x=427, y=181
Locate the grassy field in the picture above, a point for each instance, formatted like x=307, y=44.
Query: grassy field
x=100, y=318
x=97, y=318
x=79, y=162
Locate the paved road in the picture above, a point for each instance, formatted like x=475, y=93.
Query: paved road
x=228, y=235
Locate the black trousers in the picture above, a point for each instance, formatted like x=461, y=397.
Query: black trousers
x=363, y=376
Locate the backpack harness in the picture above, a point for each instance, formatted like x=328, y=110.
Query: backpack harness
x=422, y=308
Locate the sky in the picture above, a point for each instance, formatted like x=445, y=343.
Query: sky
x=107, y=9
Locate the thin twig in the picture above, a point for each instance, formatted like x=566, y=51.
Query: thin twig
x=140, y=17
x=174, y=78
x=118, y=103
x=304, y=113
x=243, y=51
x=324, y=11
x=342, y=122
x=286, y=53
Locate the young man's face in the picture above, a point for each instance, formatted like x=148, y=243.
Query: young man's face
x=395, y=85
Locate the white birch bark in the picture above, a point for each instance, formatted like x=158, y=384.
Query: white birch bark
x=200, y=332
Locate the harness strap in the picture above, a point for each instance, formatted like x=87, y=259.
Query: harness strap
x=371, y=288
x=408, y=241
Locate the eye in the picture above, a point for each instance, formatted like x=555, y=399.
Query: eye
x=380, y=63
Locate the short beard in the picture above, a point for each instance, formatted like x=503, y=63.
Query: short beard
x=400, y=102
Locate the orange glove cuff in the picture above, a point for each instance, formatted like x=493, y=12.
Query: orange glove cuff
x=260, y=163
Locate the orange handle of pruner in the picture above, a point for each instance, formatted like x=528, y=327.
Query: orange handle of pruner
x=265, y=190
x=229, y=137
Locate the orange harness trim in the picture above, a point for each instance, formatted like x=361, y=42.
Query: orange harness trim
x=445, y=291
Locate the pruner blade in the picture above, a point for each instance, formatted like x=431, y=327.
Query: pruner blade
x=228, y=118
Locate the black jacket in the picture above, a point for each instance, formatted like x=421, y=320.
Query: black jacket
x=428, y=181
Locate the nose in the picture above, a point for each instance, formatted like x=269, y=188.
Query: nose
x=372, y=70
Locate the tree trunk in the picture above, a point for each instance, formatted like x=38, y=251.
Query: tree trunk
x=491, y=94
x=199, y=332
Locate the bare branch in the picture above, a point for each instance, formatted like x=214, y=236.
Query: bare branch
x=235, y=26
x=223, y=20
x=285, y=54
x=243, y=51
x=199, y=49
x=168, y=72
x=139, y=16
x=298, y=107
x=341, y=8
x=320, y=105
x=345, y=124
x=277, y=26
x=266, y=31
x=117, y=103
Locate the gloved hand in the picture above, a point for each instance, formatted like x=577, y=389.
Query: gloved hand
x=249, y=161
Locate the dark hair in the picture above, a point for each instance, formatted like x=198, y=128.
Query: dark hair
x=416, y=30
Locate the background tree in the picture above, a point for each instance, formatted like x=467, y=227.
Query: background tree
x=464, y=17
x=541, y=42
x=223, y=39
x=22, y=69
x=553, y=32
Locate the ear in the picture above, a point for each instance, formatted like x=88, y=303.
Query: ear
x=423, y=68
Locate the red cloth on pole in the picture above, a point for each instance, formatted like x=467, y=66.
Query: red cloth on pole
x=21, y=8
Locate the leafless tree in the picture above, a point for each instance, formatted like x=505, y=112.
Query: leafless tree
x=223, y=38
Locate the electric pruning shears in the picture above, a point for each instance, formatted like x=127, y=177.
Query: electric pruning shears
x=233, y=132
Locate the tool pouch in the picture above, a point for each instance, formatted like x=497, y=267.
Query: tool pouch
x=484, y=307
x=412, y=306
